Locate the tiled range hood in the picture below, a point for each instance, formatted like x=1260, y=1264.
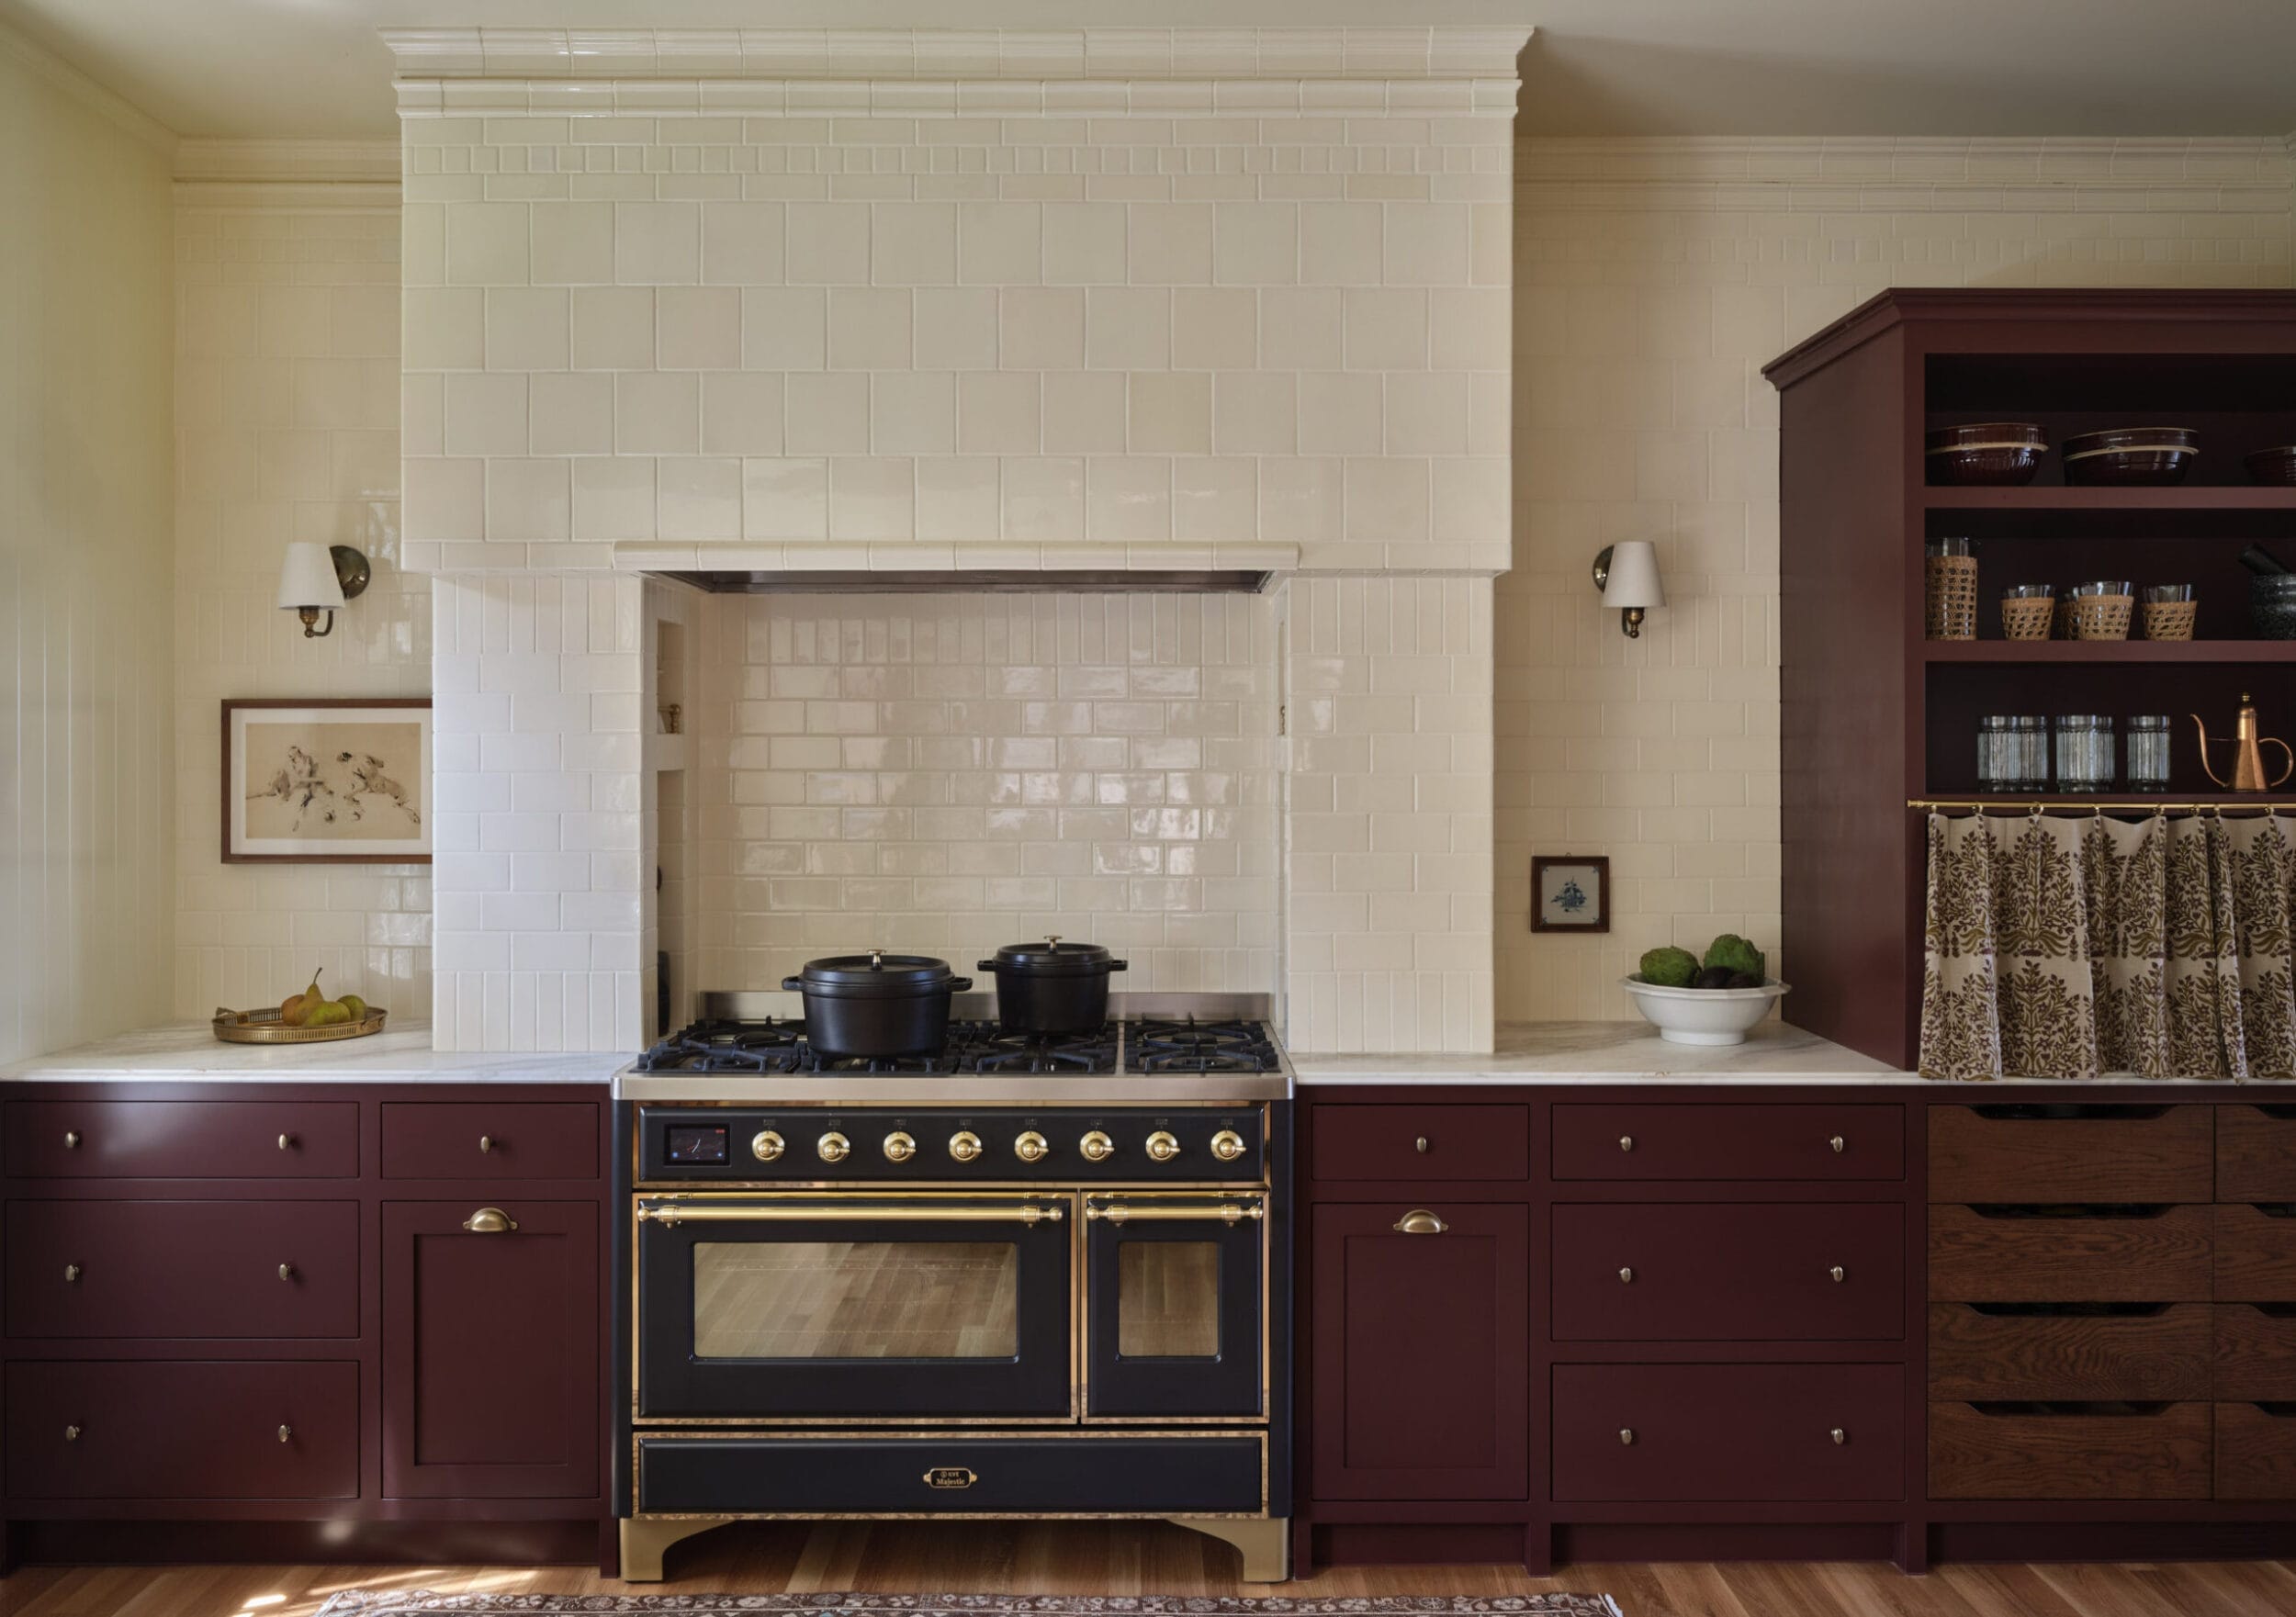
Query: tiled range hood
x=1218, y=307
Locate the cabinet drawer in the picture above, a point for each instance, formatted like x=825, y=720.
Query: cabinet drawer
x=2255, y=1253
x=486, y=1139
x=2256, y=1152
x=1792, y=1141
x=2023, y=1451
x=960, y=1474
x=1690, y=1271
x=2069, y=1350
x=183, y=1269
x=2072, y=1153
x=182, y=1139
x=1728, y=1431
x=2255, y=1450
x=1421, y=1142
x=2255, y=1351
x=277, y=1431
x=2159, y=1256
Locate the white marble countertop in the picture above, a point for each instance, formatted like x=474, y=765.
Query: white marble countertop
x=1612, y=1052
x=402, y=1054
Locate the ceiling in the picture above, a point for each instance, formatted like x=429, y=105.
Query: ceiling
x=314, y=68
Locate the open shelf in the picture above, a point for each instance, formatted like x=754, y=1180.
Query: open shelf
x=2116, y=800
x=2108, y=651
x=2058, y=497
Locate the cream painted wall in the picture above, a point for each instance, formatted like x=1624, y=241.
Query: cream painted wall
x=1653, y=279
x=287, y=428
x=86, y=786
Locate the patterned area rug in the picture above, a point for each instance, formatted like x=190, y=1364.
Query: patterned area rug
x=419, y=1604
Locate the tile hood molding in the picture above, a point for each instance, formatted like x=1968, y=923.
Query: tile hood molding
x=944, y=301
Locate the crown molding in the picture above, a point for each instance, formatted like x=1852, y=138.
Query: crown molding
x=2228, y=164
x=70, y=80
x=961, y=55
x=279, y=162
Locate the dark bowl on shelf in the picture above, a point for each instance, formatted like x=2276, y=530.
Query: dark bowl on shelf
x=1985, y=453
x=2130, y=456
x=2275, y=466
x=2272, y=605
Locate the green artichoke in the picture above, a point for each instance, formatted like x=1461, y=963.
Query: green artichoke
x=1669, y=967
x=1733, y=953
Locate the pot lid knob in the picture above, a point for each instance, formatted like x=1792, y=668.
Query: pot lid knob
x=876, y=959
x=1052, y=940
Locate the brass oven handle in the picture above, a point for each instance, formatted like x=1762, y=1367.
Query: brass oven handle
x=682, y=1213
x=1419, y=1222
x=1143, y=1213
x=490, y=1222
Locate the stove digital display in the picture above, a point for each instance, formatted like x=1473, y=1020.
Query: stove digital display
x=695, y=1144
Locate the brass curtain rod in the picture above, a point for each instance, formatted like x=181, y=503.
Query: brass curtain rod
x=2067, y=806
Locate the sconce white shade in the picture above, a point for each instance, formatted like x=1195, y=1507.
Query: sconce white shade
x=307, y=577
x=1634, y=576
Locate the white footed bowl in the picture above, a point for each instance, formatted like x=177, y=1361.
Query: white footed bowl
x=1703, y=1016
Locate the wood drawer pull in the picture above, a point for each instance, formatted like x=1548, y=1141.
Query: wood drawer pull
x=1626, y=1436
x=1625, y=1278
x=72, y=1434
x=72, y=1274
x=72, y=1139
x=1840, y=1436
x=495, y=1222
x=1419, y=1222
x=1838, y=1144
x=286, y=1272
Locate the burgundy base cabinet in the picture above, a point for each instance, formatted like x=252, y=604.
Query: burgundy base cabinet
x=1897, y=1321
x=255, y=1321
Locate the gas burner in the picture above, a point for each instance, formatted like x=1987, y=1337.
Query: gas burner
x=768, y=1046
x=1189, y=1045
x=810, y=1059
x=984, y=1047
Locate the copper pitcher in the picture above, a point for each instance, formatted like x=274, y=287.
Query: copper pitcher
x=2248, y=753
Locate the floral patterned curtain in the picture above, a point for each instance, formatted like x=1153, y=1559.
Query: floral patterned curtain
x=2068, y=948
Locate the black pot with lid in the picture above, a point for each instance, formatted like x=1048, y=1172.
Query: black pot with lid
x=1053, y=986
x=876, y=1005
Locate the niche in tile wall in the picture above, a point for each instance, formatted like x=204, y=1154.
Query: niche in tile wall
x=673, y=1005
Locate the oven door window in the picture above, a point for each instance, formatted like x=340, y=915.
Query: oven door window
x=849, y=1306
x=1177, y=1305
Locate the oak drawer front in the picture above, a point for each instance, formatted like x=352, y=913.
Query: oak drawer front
x=2255, y=1253
x=275, y=1431
x=1728, y=1431
x=484, y=1140
x=1794, y=1142
x=182, y=1139
x=2255, y=1351
x=2072, y=1153
x=2256, y=1152
x=2069, y=1350
x=1693, y=1271
x=2255, y=1450
x=2078, y=1452
x=2161, y=1256
x=1421, y=1142
x=183, y=1269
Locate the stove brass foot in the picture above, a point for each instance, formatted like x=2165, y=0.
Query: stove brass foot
x=1264, y=1542
x=644, y=1538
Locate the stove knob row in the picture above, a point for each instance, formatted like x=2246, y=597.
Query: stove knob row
x=1097, y=1147
x=1228, y=1145
x=1163, y=1147
x=834, y=1147
x=964, y=1145
x=899, y=1147
x=766, y=1146
x=1032, y=1147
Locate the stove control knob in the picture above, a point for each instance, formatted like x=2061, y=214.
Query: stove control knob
x=834, y=1146
x=1227, y=1145
x=1097, y=1147
x=1032, y=1147
x=899, y=1147
x=765, y=1146
x=964, y=1145
x=1162, y=1147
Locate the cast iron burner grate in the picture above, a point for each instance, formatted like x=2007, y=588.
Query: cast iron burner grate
x=1189, y=1045
x=769, y=1046
x=984, y=1047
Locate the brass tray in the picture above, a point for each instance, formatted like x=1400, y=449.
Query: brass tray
x=264, y=1026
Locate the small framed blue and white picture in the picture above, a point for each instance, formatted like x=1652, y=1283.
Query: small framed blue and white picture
x=1570, y=894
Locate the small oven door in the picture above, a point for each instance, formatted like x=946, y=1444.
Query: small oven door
x=1175, y=1306
x=851, y=1307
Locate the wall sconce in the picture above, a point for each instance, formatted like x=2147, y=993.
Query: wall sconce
x=321, y=577
x=1628, y=575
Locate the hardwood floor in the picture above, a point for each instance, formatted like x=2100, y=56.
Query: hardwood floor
x=1153, y=1558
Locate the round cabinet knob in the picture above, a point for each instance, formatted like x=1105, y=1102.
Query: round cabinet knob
x=899, y=1147
x=1420, y=1145
x=964, y=1145
x=287, y=1272
x=72, y=1142
x=1097, y=1147
x=486, y=1145
x=285, y=1432
x=72, y=1274
x=1163, y=1147
x=766, y=1145
x=1838, y=1144
x=1840, y=1436
x=72, y=1434
x=833, y=1147
x=287, y=1142
x=1626, y=1436
x=1625, y=1278
x=1625, y=1142
x=1839, y=1273
x=1228, y=1145
x=1032, y=1147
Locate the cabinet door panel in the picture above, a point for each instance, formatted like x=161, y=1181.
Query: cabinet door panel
x=490, y=1353
x=1420, y=1353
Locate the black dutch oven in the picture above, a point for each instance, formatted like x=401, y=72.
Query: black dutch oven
x=876, y=1005
x=1052, y=987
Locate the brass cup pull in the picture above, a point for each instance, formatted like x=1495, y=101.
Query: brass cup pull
x=1625, y=1278
x=1420, y=1145
x=72, y=1434
x=1419, y=1222
x=287, y=1142
x=486, y=1145
x=1840, y=1436
x=1626, y=1436
x=285, y=1432
x=72, y=1274
x=286, y=1272
x=72, y=1142
x=490, y=1222
x=1839, y=1273
x=1838, y=1144
x=1625, y=1142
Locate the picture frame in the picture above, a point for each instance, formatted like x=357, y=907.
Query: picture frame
x=327, y=780
x=1570, y=893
